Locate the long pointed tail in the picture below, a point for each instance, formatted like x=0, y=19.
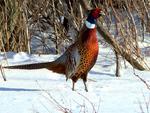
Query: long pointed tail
x=55, y=67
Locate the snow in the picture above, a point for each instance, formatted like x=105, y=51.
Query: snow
x=42, y=91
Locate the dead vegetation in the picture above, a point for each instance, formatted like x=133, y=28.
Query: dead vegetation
x=49, y=26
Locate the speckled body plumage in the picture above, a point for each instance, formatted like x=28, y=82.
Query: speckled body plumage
x=88, y=51
x=79, y=58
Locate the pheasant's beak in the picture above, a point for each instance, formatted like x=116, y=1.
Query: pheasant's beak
x=102, y=13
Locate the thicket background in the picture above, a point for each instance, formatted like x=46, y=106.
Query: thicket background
x=50, y=26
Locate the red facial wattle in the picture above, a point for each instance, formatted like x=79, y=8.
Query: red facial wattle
x=95, y=13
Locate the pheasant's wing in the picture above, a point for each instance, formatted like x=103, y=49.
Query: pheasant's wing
x=73, y=61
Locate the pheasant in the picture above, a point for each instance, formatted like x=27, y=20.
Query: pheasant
x=79, y=58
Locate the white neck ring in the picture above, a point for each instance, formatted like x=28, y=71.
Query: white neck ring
x=89, y=25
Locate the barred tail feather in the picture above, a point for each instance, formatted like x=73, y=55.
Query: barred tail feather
x=55, y=67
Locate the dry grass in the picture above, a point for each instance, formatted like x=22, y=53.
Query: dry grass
x=13, y=26
x=21, y=20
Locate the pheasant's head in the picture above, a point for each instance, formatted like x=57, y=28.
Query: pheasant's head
x=92, y=17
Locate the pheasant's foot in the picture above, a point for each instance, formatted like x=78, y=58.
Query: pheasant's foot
x=66, y=78
x=86, y=89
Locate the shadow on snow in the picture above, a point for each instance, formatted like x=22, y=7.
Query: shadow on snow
x=17, y=89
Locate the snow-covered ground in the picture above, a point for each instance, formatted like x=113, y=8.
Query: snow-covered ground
x=42, y=91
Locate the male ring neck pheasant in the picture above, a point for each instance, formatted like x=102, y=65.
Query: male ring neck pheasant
x=79, y=58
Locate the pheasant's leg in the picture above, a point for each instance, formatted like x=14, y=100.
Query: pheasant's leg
x=86, y=89
x=74, y=80
x=84, y=77
x=73, y=84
